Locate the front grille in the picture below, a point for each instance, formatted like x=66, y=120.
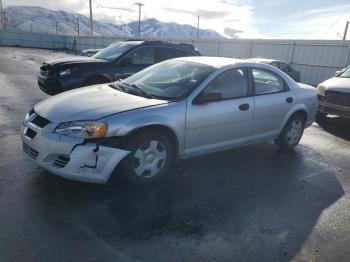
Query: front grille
x=30, y=133
x=338, y=98
x=32, y=153
x=40, y=121
x=57, y=160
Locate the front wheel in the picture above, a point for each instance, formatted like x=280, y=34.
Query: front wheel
x=152, y=154
x=291, y=133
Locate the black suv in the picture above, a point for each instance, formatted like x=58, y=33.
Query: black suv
x=287, y=68
x=117, y=61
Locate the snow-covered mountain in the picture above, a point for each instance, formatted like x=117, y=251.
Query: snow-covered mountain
x=38, y=19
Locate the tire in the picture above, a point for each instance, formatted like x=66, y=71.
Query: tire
x=151, y=157
x=95, y=80
x=289, y=137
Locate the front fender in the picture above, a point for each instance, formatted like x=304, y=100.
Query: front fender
x=171, y=116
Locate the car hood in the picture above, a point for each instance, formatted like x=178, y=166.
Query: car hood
x=74, y=60
x=91, y=103
x=340, y=84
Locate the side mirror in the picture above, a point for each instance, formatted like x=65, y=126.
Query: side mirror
x=204, y=98
x=340, y=71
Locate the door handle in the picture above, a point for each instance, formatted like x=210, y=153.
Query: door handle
x=289, y=99
x=243, y=107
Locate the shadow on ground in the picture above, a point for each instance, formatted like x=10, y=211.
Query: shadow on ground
x=252, y=203
x=336, y=126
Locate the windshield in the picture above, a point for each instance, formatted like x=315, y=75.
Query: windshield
x=345, y=74
x=171, y=80
x=113, y=51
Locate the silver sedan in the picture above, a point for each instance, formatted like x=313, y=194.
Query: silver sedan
x=173, y=110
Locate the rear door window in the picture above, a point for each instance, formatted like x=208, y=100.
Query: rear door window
x=141, y=56
x=232, y=83
x=284, y=67
x=266, y=82
x=165, y=53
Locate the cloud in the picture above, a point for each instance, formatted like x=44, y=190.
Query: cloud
x=214, y=14
x=319, y=23
x=231, y=32
x=206, y=14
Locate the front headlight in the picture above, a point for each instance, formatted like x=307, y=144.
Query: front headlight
x=30, y=112
x=321, y=90
x=65, y=72
x=85, y=129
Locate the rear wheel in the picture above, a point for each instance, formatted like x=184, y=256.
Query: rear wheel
x=152, y=155
x=292, y=132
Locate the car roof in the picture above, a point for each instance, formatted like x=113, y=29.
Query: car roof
x=264, y=60
x=216, y=62
x=160, y=43
x=133, y=42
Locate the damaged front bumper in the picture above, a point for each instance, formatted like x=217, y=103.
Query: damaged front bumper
x=69, y=157
x=333, y=109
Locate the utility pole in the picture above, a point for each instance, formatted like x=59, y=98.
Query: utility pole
x=91, y=25
x=346, y=30
x=78, y=18
x=140, y=5
x=4, y=19
x=2, y=27
x=56, y=28
x=198, y=27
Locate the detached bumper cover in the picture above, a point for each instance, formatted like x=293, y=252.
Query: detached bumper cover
x=69, y=157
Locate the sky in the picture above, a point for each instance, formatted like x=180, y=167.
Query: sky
x=296, y=19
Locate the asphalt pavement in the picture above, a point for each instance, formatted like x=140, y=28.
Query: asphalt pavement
x=255, y=203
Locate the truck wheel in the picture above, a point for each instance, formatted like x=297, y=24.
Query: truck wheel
x=292, y=132
x=151, y=157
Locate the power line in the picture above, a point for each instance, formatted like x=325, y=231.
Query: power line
x=140, y=5
x=112, y=7
x=336, y=21
x=115, y=9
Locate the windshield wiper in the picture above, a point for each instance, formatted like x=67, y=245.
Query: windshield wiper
x=145, y=94
x=118, y=86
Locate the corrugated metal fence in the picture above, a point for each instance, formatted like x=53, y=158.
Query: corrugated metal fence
x=317, y=60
